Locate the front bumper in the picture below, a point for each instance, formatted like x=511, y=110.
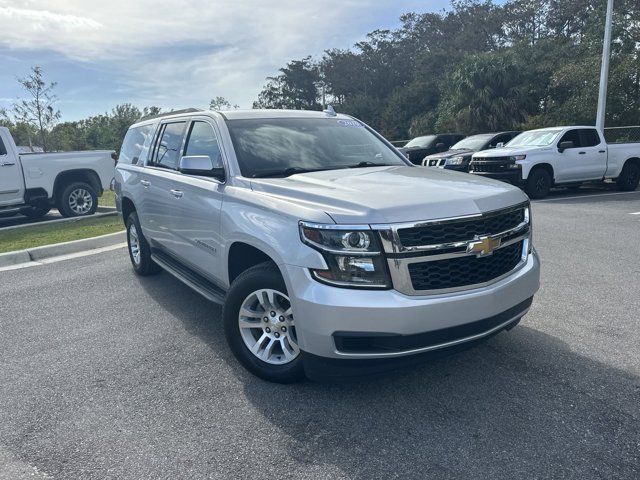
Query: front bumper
x=324, y=313
x=513, y=177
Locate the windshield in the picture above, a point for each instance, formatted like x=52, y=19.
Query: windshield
x=284, y=146
x=420, y=141
x=475, y=142
x=537, y=138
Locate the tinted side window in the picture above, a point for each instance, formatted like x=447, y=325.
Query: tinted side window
x=571, y=136
x=590, y=137
x=504, y=138
x=3, y=150
x=167, y=152
x=134, y=141
x=202, y=141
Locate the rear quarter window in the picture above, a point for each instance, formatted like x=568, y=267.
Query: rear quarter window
x=3, y=150
x=136, y=139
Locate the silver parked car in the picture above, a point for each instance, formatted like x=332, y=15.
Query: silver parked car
x=331, y=252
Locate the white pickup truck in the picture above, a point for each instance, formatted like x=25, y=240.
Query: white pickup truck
x=31, y=184
x=540, y=159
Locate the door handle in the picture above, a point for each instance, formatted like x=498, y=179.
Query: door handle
x=602, y=151
x=7, y=164
x=145, y=183
x=176, y=193
x=582, y=153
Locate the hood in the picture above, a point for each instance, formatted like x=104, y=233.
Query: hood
x=509, y=151
x=450, y=153
x=391, y=194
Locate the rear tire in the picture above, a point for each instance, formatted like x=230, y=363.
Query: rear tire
x=629, y=177
x=37, y=211
x=78, y=200
x=267, y=348
x=139, y=249
x=538, y=183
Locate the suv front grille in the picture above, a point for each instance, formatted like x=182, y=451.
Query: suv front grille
x=466, y=270
x=460, y=230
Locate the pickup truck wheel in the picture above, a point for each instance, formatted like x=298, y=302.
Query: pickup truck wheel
x=259, y=325
x=36, y=211
x=78, y=199
x=139, y=250
x=629, y=177
x=538, y=183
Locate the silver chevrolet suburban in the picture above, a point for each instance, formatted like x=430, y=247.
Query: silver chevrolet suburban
x=331, y=253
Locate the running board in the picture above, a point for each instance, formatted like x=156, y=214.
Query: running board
x=204, y=287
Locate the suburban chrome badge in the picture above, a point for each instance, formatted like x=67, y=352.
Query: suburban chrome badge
x=483, y=246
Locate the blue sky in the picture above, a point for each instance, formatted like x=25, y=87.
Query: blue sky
x=174, y=54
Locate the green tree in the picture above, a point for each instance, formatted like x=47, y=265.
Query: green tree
x=39, y=109
x=296, y=87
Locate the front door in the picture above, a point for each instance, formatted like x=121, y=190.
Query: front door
x=195, y=226
x=11, y=182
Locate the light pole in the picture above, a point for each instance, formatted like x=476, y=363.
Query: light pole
x=604, y=68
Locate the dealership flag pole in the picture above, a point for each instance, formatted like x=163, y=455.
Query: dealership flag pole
x=604, y=68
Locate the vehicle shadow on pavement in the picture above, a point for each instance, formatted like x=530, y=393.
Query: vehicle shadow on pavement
x=521, y=405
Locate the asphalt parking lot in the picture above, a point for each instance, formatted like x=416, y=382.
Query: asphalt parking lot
x=107, y=375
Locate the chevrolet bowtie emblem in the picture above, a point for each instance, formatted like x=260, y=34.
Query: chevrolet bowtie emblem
x=483, y=246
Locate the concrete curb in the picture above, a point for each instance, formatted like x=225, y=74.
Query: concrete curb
x=107, y=213
x=59, y=249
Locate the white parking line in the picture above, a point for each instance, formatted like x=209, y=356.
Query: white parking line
x=585, y=196
x=634, y=213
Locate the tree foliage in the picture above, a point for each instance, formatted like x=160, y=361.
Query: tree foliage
x=480, y=66
x=38, y=110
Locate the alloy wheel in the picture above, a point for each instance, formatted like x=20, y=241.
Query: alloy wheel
x=267, y=327
x=80, y=201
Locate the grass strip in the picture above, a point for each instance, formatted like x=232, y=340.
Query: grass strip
x=39, y=235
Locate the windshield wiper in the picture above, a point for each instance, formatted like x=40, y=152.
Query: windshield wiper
x=369, y=164
x=287, y=172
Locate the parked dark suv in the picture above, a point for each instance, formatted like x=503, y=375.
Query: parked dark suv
x=458, y=156
x=420, y=147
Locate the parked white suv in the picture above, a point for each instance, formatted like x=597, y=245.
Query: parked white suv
x=330, y=251
x=540, y=159
x=31, y=184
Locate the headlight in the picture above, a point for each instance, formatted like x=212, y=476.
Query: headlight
x=353, y=255
x=518, y=157
x=458, y=160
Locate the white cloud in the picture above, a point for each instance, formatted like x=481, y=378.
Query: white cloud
x=184, y=52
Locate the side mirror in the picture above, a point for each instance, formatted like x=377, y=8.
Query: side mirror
x=562, y=146
x=441, y=147
x=499, y=145
x=201, y=165
x=114, y=157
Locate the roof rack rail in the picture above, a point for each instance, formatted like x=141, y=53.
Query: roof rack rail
x=172, y=112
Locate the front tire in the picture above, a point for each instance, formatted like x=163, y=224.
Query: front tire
x=139, y=249
x=77, y=200
x=538, y=183
x=629, y=177
x=260, y=327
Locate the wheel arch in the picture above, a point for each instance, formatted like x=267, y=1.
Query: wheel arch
x=67, y=177
x=545, y=166
x=242, y=256
x=127, y=207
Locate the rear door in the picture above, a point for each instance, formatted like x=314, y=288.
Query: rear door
x=11, y=181
x=159, y=180
x=594, y=161
x=197, y=204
